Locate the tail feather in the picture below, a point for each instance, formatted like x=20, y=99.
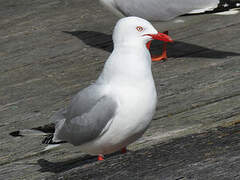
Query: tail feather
x=47, y=131
x=37, y=131
x=27, y=132
x=50, y=146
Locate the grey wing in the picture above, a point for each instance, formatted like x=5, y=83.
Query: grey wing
x=58, y=116
x=82, y=102
x=163, y=10
x=89, y=125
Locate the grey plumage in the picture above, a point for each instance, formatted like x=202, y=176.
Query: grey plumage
x=83, y=120
x=161, y=10
x=166, y=10
x=86, y=116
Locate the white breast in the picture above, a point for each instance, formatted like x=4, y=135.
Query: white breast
x=131, y=119
x=127, y=78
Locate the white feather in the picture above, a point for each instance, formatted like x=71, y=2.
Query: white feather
x=230, y=12
x=50, y=147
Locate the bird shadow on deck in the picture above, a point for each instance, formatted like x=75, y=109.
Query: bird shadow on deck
x=175, y=159
x=176, y=49
x=58, y=167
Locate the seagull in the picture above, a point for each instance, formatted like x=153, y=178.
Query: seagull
x=117, y=109
x=171, y=13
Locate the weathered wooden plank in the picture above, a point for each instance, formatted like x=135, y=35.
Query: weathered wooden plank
x=51, y=49
x=210, y=155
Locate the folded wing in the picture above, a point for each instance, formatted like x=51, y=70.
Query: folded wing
x=89, y=125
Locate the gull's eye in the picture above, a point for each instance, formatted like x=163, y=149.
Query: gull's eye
x=139, y=28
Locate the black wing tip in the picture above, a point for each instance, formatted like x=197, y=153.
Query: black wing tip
x=48, y=128
x=223, y=5
x=15, y=134
x=49, y=140
x=226, y=5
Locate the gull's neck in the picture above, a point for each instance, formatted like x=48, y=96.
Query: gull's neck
x=127, y=63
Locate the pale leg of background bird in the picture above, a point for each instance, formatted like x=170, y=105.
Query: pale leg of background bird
x=164, y=51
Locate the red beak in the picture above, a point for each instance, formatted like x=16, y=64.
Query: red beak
x=160, y=36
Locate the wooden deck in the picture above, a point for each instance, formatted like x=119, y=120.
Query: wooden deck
x=50, y=49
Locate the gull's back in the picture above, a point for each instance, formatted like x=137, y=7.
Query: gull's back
x=159, y=10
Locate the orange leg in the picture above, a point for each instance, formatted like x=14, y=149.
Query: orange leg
x=100, y=157
x=124, y=150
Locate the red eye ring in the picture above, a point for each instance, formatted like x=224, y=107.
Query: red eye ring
x=139, y=28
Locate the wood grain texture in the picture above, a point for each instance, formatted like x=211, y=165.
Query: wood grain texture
x=210, y=155
x=50, y=49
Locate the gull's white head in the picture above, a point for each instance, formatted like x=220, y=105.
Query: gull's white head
x=135, y=30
